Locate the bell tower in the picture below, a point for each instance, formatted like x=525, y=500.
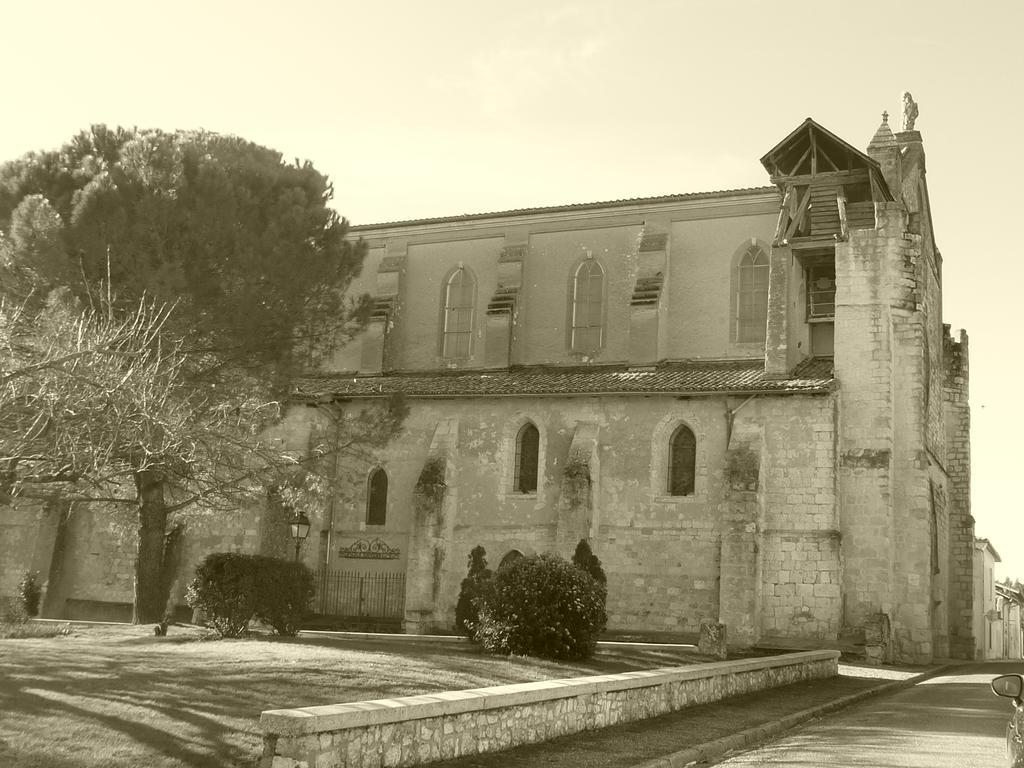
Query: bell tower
x=855, y=277
x=829, y=189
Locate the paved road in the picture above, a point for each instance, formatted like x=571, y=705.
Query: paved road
x=950, y=721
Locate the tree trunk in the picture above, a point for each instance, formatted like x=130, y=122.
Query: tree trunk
x=171, y=565
x=53, y=600
x=150, y=593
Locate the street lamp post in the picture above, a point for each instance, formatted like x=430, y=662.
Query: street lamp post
x=300, y=530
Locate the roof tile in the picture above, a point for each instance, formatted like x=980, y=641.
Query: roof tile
x=682, y=377
x=566, y=207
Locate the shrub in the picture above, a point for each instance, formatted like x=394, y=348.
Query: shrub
x=29, y=593
x=32, y=630
x=224, y=588
x=585, y=558
x=542, y=606
x=284, y=590
x=474, y=587
x=430, y=483
x=232, y=588
x=12, y=611
x=742, y=467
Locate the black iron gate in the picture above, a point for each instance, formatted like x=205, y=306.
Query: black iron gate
x=356, y=595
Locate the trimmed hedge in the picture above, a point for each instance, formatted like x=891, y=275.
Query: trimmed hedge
x=284, y=590
x=542, y=606
x=231, y=588
x=585, y=558
x=29, y=593
x=472, y=592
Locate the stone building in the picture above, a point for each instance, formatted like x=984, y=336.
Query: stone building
x=1009, y=602
x=997, y=608
x=745, y=400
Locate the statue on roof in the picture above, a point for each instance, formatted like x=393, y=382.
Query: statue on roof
x=909, y=111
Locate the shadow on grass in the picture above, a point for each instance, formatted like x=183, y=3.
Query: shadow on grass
x=123, y=697
x=191, y=699
x=210, y=748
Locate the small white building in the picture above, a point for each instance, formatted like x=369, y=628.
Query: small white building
x=1009, y=602
x=988, y=621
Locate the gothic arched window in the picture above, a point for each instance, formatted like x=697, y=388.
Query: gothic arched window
x=377, y=497
x=459, y=303
x=752, y=295
x=587, y=328
x=682, y=462
x=527, y=458
x=510, y=557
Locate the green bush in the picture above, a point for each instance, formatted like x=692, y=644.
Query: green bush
x=24, y=629
x=542, y=606
x=224, y=588
x=473, y=591
x=29, y=593
x=284, y=590
x=11, y=610
x=232, y=588
x=585, y=558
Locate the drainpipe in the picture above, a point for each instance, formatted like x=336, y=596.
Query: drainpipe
x=334, y=479
x=330, y=503
x=730, y=417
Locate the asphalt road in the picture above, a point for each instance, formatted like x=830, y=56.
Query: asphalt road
x=949, y=721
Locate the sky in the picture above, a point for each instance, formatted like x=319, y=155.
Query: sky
x=421, y=109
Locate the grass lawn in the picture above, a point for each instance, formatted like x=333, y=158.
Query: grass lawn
x=119, y=696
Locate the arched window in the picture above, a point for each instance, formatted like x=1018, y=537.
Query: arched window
x=527, y=457
x=682, y=462
x=587, y=329
x=459, y=302
x=752, y=295
x=510, y=557
x=377, y=497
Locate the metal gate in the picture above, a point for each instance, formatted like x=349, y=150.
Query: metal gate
x=351, y=594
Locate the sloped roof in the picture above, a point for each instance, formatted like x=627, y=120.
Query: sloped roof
x=794, y=146
x=688, y=377
x=566, y=207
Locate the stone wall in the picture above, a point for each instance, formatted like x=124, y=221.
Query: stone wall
x=85, y=555
x=799, y=525
x=406, y=267
x=957, y=414
x=420, y=729
x=891, y=456
x=21, y=528
x=666, y=556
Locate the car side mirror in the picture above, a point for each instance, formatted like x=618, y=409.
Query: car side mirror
x=1010, y=686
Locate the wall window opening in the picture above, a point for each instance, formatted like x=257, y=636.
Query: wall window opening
x=459, y=302
x=587, y=308
x=682, y=463
x=527, y=457
x=510, y=557
x=821, y=290
x=752, y=295
x=377, y=498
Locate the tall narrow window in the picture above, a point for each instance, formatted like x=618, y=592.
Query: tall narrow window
x=527, y=456
x=459, y=300
x=587, y=308
x=752, y=295
x=682, y=462
x=377, y=498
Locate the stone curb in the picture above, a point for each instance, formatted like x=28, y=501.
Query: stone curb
x=754, y=736
x=459, y=639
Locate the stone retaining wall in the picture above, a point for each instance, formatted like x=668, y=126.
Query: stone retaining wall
x=420, y=729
